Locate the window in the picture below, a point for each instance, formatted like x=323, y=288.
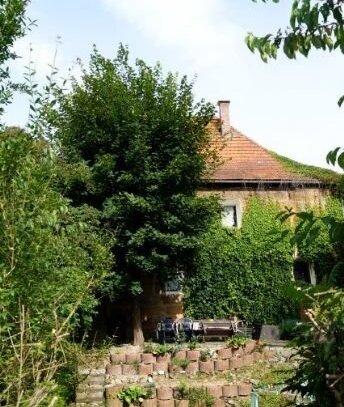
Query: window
x=231, y=215
x=301, y=271
x=304, y=271
x=174, y=286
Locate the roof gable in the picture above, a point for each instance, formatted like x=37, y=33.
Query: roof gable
x=242, y=159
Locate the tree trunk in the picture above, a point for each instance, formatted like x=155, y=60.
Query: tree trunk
x=137, y=324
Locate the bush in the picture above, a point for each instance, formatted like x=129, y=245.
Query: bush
x=320, y=345
x=50, y=266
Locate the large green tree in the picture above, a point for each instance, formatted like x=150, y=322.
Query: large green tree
x=145, y=144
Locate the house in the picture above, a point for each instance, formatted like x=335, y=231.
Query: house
x=246, y=169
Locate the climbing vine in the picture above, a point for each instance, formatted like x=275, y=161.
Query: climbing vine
x=246, y=271
x=243, y=271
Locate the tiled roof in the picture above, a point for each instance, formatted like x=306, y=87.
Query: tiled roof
x=242, y=159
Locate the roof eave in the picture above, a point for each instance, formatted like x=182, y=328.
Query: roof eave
x=266, y=181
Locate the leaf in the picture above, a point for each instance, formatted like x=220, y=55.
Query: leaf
x=340, y=101
x=340, y=160
x=332, y=156
x=250, y=42
x=337, y=14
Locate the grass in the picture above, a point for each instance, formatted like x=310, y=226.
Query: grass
x=322, y=174
x=270, y=400
x=264, y=374
x=267, y=376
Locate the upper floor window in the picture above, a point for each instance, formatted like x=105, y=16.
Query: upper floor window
x=175, y=285
x=231, y=215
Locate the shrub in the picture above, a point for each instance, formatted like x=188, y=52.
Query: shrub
x=132, y=395
x=183, y=363
x=320, y=345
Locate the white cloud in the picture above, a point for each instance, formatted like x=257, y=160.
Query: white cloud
x=194, y=28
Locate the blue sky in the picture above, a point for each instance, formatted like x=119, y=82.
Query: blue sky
x=287, y=106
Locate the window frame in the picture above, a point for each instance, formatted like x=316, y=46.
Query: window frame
x=238, y=212
x=180, y=279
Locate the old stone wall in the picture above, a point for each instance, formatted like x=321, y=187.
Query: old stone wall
x=297, y=198
x=161, y=374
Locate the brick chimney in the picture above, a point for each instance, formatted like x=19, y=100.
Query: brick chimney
x=224, y=117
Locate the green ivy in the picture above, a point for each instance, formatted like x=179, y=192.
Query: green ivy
x=246, y=271
x=243, y=271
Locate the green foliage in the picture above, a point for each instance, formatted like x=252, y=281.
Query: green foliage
x=322, y=174
x=183, y=363
x=236, y=342
x=317, y=240
x=162, y=349
x=271, y=400
x=288, y=328
x=13, y=23
x=205, y=355
x=51, y=262
x=318, y=24
x=194, y=341
x=321, y=349
x=243, y=271
x=132, y=395
x=318, y=236
x=141, y=146
x=313, y=24
x=197, y=396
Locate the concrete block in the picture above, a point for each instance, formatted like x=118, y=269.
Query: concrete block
x=224, y=353
x=206, y=367
x=214, y=390
x=164, y=393
x=221, y=365
x=230, y=390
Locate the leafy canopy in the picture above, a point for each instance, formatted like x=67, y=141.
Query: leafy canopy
x=144, y=143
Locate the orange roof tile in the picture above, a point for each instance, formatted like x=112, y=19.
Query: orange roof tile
x=242, y=159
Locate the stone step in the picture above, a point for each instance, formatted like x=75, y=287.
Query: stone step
x=89, y=387
x=91, y=371
x=86, y=397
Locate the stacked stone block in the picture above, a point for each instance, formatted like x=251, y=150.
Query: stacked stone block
x=166, y=396
x=125, y=368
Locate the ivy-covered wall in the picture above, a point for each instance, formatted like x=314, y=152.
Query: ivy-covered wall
x=243, y=271
x=246, y=271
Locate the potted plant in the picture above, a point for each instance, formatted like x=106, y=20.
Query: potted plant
x=163, y=352
x=179, y=365
x=236, y=343
x=193, y=354
x=206, y=364
x=132, y=395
